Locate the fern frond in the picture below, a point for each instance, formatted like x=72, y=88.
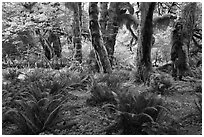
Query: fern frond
x=18, y=119
x=199, y=103
x=30, y=124
x=42, y=102
x=108, y=108
x=152, y=111
x=51, y=117
x=28, y=96
x=57, y=96
x=53, y=104
x=142, y=118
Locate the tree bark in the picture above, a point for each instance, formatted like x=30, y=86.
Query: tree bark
x=112, y=30
x=188, y=19
x=54, y=40
x=143, y=58
x=46, y=47
x=80, y=13
x=103, y=17
x=77, y=33
x=97, y=40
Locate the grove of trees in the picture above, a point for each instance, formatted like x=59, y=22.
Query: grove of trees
x=110, y=49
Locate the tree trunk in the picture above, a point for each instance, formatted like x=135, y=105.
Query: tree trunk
x=143, y=58
x=80, y=13
x=103, y=17
x=112, y=30
x=97, y=40
x=77, y=33
x=46, y=47
x=54, y=41
x=188, y=20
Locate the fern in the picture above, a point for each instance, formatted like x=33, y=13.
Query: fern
x=105, y=86
x=12, y=75
x=37, y=113
x=160, y=83
x=99, y=94
x=198, y=104
x=133, y=111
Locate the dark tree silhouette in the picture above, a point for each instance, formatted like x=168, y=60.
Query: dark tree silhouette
x=143, y=58
x=178, y=55
x=54, y=41
x=188, y=19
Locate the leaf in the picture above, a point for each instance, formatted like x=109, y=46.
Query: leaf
x=51, y=117
x=10, y=115
x=30, y=124
x=57, y=96
x=140, y=103
x=29, y=96
x=15, y=117
x=21, y=103
x=115, y=96
x=31, y=103
x=198, y=106
x=108, y=108
x=152, y=111
x=42, y=102
x=155, y=100
x=142, y=118
x=160, y=108
x=54, y=104
x=45, y=94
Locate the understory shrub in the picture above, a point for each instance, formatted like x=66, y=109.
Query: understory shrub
x=198, y=104
x=134, y=111
x=105, y=85
x=160, y=83
x=11, y=75
x=36, y=111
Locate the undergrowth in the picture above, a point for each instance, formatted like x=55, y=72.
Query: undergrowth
x=39, y=102
x=161, y=83
x=40, y=105
x=135, y=111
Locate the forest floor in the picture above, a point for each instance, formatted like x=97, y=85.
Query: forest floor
x=181, y=103
x=93, y=119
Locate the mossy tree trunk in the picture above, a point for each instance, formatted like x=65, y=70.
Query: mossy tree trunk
x=77, y=33
x=80, y=13
x=76, y=8
x=97, y=41
x=143, y=55
x=103, y=17
x=188, y=19
x=49, y=52
x=54, y=41
x=111, y=29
